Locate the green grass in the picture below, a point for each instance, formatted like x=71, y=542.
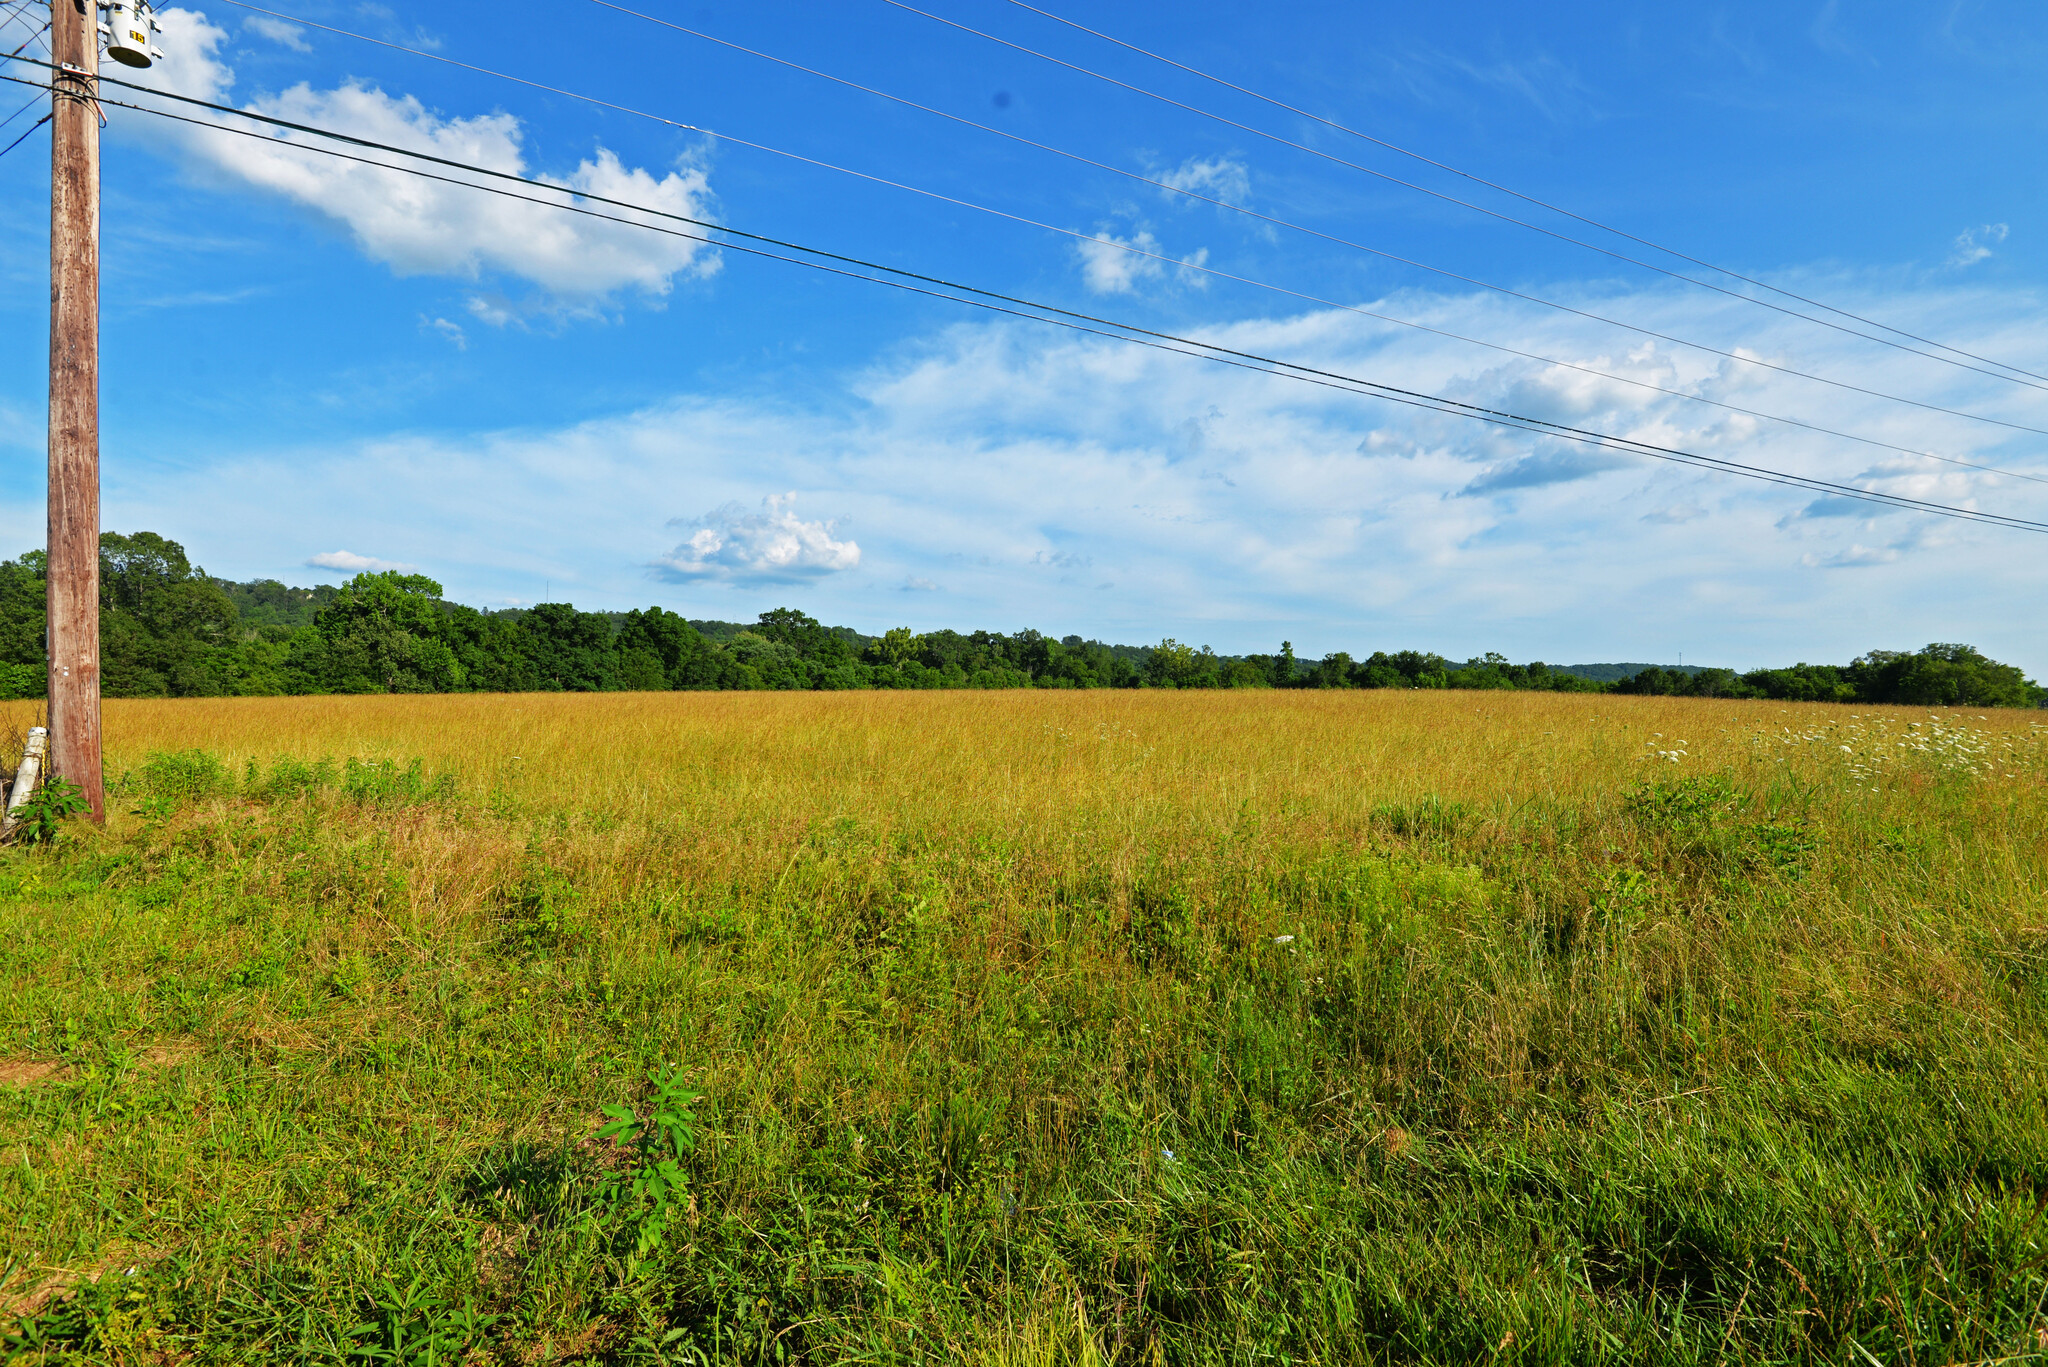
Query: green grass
x=1747, y=1067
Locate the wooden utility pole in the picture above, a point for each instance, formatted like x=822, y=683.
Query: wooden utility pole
x=74, y=495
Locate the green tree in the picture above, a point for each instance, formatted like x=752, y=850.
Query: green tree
x=166, y=628
x=685, y=659
x=1941, y=676
x=894, y=648
x=805, y=635
x=384, y=633
x=1173, y=665
x=24, y=670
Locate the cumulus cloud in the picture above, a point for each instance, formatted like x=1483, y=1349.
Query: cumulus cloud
x=1223, y=178
x=348, y=562
x=1115, y=265
x=423, y=227
x=771, y=546
x=1975, y=244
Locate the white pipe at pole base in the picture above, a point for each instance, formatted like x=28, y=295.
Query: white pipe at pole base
x=25, y=777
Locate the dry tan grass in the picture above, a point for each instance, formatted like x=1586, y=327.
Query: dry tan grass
x=1112, y=768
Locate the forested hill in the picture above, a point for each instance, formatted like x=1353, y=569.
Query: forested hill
x=169, y=629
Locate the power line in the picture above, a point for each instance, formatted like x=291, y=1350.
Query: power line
x=30, y=39
x=1170, y=261
x=1313, y=232
x=1506, y=190
x=1033, y=311
x=20, y=12
x=1447, y=198
x=33, y=101
x=24, y=135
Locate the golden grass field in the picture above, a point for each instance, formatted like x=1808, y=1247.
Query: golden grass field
x=1105, y=767
x=1039, y=1026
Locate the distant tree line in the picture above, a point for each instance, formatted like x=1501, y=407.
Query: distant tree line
x=170, y=630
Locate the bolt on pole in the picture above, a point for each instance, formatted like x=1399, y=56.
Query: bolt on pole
x=74, y=492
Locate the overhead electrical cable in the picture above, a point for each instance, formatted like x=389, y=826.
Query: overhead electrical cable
x=1509, y=190
x=1170, y=261
x=16, y=11
x=33, y=101
x=1448, y=198
x=1034, y=311
x=24, y=135
x=20, y=12
x=37, y=33
x=1330, y=237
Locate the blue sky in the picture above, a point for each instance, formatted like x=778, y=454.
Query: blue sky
x=310, y=366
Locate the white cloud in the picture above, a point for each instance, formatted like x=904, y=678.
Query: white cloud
x=1223, y=178
x=1020, y=467
x=451, y=331
x=277, y=31
x=1975, y=244
x=348, y=562
x=771, y=546
x=423, y=227
x=1114, y=265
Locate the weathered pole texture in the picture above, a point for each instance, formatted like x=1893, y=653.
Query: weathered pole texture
x=74, y=497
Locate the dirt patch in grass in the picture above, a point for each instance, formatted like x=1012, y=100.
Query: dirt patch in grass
x=22, y=1072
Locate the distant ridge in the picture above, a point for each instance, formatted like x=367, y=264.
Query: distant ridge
x=1615, y=673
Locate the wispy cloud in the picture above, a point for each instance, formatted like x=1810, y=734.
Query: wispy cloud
x=1855, y=556
x=277, y=31
x=443, y=328
x=1115, y=265
x=1677, y=515
x=1975, y=244
x=1224, y=178
x=1545, y=468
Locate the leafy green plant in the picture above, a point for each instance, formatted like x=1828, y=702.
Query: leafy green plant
x=658, y=1139
x=42, y=816
x=1690, y=804
x=542, y=908
x=417, y=1329
x=386, y=782
x=350, y=979
x=1786, y=846
x=180, y=774
x=155, y=809
x=289, y=777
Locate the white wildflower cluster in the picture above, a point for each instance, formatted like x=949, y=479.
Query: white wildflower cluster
x=1675, y=754
x=1875, y=752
